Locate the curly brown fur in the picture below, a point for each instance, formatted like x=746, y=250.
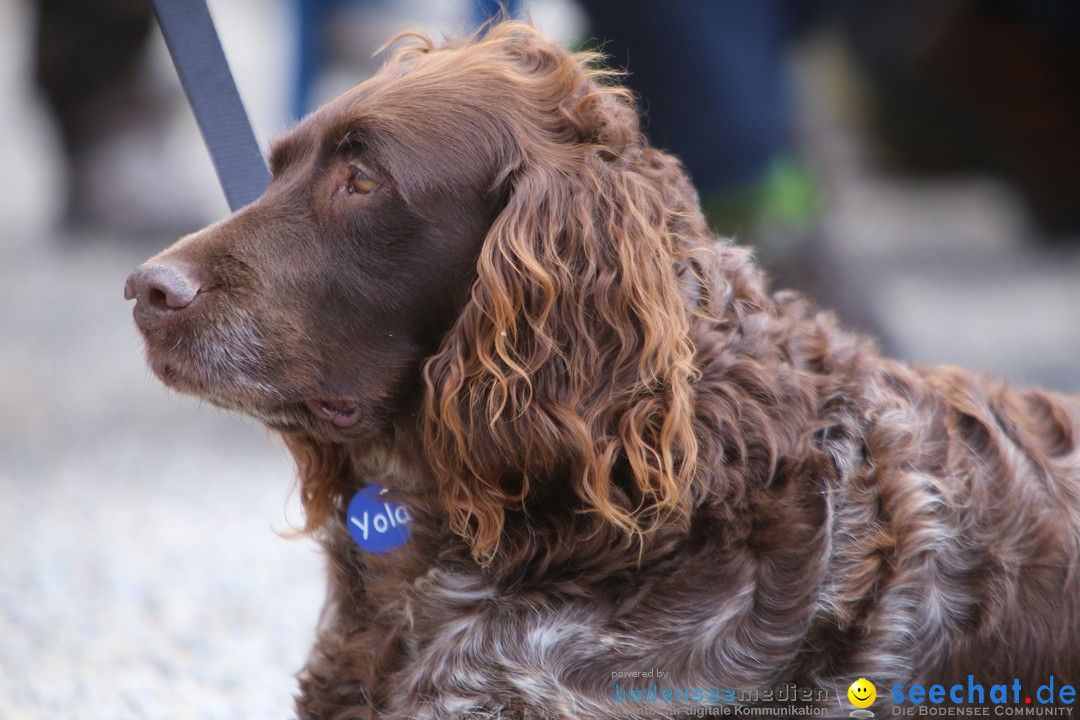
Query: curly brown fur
x=473, y=282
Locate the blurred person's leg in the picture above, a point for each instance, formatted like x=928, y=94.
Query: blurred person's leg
x=713, y=81
x=310, y=18
x=87, y=56
x=485, y=10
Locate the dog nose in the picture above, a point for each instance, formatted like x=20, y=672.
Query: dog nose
x=160, y=290
x=164, y=287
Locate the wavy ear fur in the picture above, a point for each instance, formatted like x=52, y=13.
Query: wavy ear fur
x=572, y=362
x=322, y=470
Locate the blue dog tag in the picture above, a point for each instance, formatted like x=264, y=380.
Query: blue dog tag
x=378, y=525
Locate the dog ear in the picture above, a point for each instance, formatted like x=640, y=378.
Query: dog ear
x=573, y=359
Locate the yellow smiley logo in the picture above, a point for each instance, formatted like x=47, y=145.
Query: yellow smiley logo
x=862, y=693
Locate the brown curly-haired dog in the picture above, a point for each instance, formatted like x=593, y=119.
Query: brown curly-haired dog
x=629, y=469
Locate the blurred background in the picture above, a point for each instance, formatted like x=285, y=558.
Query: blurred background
x=914, y=164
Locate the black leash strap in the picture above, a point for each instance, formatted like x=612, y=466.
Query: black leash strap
x=204, y=73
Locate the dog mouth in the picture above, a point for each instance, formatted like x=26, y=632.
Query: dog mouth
x=269, y=407
x=306, y=415
x=293, y=416
x=251, y=392
x=342, y=413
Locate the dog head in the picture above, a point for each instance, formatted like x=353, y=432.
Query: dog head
x=479, y=236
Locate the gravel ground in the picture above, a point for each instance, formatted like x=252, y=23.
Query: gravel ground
x=142, y=574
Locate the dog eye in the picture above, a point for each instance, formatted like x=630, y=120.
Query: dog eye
x=360, y=182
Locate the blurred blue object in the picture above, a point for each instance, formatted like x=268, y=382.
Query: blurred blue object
x=712, y=78
x=310, y=19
